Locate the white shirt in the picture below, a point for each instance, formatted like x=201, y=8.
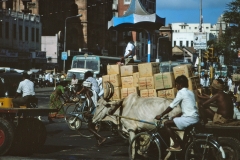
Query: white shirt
x=47, y=77
x=130, y=46
x=27, y=87
x=74, y=81
x=229, y=83
x=205, y=82
x=94, y=82
x=186, y=99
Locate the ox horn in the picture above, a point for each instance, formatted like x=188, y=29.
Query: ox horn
x=106, y=90
x=111, y=90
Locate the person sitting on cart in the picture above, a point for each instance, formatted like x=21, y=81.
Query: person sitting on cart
x=56, y=101
x=91, y=89
x=189, y=115
x=221, y=100
x=26, y=87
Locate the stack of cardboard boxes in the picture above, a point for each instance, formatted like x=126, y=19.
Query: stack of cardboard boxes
x=146, y=80
x=123, y=78
x=113, y=77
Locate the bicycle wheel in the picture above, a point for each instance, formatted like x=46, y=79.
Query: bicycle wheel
x=73, y=122
x=202, y=150
x=85, y=132
x=144, y=146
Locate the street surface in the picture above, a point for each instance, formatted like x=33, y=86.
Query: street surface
x=62, y=143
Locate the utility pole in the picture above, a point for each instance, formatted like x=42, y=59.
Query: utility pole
x=200, y=30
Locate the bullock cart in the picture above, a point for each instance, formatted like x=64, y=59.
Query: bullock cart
x=20, y=132
x=230, y=137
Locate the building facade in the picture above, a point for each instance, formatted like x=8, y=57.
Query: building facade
x=183, y=33
x=20, y=37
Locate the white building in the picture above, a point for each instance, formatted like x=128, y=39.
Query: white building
x=183, y=33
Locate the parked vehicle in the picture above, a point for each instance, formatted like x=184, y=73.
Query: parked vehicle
x=20, y=132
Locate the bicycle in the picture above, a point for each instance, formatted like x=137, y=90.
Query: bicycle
x=76, y=117
x=196, y=146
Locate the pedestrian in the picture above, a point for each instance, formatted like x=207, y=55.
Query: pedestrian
x=99, y=80
x=229, y=83
x=51, y=79
x=129, y=50
x=74, y=80
x=56, y=101
x=47, y=78
x=26, y=87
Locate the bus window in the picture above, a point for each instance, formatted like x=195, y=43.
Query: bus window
x=92, y=64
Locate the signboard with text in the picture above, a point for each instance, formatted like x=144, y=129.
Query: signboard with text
x=200, y=40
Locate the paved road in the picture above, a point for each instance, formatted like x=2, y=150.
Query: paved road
x=62, y=143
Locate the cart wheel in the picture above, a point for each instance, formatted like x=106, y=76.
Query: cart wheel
x=6, y=136
x=231, y=147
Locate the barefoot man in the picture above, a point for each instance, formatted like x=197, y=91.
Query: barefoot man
x=220, y=100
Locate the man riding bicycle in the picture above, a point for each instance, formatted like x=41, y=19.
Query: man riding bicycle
x=189, y=116
x=91, y=89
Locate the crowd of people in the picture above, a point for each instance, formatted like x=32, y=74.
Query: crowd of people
x=222, y=90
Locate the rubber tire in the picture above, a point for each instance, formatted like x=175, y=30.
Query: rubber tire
x=84, y=132
x=8, y=130
x=197, y=156
x=157, y=146
x=76, y=125
x=122, y=134
x=230, y=144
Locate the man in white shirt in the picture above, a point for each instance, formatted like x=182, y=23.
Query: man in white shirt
x=189, y=116
x=129, y=51
x=74, y=80
x=26, y=87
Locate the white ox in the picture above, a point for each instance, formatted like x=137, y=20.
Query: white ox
x=135, y=107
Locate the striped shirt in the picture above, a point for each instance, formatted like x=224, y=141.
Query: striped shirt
x=26, y=87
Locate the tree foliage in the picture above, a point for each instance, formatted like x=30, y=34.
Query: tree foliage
x=230, y=40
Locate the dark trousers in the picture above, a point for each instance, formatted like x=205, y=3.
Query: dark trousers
x=20, y=101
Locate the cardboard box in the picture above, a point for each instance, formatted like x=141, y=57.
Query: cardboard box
x=126, y=91
x=194, y=83
x=146, y=83
x=135, y=79
x=128, y=70
x=148, y=69
x=114, y=79
x=113, y=69
x=117, y=93
x=167, y=93
x=148, y=93
x=127, y=82
x=185, y=69
x=164, y=80
x=236, y=77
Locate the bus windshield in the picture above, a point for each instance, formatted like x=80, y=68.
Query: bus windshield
x=85, y=63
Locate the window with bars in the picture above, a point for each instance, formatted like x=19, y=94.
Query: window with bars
x=33, y=34
x=6, y=30
x=20, y=32
x=26, y=33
